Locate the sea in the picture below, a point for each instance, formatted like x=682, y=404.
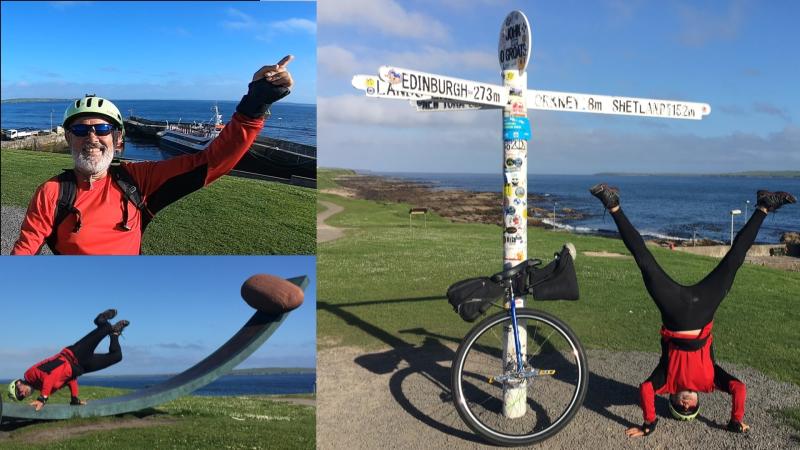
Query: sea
x=660, y=207
x=274, y=384
x=289, y=121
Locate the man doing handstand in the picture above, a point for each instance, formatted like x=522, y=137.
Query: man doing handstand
x=687, y=363
x=53, y=373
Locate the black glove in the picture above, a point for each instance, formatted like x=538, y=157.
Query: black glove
x=260, y=94
x=42, y=399
x=75, y=401
x=648, y=428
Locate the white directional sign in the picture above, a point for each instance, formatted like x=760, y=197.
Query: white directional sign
x=440, y=86
x=611, y=104
x=375, y=87
x=593, y=103
x=440, y=104
x=514, y=48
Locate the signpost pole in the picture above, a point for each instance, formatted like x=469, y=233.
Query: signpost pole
x=514, y=52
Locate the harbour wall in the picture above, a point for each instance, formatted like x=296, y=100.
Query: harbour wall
x=46, y=142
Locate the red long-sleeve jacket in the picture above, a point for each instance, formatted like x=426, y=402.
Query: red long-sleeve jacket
x=101, y=202
x=53, y=373
x=695, y=370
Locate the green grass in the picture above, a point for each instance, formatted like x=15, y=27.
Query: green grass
x=193, y=422
x=791, y=416
x=231, y=216
x=325, y=177
x=384, y=284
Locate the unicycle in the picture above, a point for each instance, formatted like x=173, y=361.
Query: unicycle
x=519, y=376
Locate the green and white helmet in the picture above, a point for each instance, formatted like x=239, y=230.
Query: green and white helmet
x=93, y=105
x=684, y=415
x=12, y=390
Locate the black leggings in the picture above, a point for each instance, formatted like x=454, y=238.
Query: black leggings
x=688, y=307
x=84, y=350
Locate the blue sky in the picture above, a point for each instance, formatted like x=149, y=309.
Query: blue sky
x=181, y=309
x=154, y=50
x=738, y=56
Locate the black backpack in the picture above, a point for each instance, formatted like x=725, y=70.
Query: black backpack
x=65, y=205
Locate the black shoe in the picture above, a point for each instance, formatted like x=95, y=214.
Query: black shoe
x=774, y=200
x=119, y=326
x=607, y=194
x=105, y=316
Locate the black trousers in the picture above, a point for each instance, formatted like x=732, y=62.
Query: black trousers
x=84, y=350
x=688, y=307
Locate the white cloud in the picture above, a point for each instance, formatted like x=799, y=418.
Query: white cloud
x=293, y=25
x=240, y=20
x=430, y=58
x=333, y=60
x=384, y=16
x=340, y=64
x=388, y=135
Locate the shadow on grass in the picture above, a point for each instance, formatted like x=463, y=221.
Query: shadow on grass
x=10, y=424
x=426, y=360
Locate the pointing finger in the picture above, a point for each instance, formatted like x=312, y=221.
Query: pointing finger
x=286, y=60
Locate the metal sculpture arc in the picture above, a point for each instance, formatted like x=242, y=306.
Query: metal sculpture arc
x=246, y=341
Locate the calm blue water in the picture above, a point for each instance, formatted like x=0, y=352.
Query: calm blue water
x=289, y=122
x=224, y=386
x=659, y=206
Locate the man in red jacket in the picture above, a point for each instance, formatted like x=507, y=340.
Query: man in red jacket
x=53, y=373
x=687, y=364
x=102, y=219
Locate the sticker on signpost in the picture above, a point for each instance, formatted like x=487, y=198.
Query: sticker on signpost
x=516, y=128
x=514, y=47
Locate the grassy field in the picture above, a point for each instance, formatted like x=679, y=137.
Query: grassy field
x=231, y=216
x=383, y=284
x=252, y=422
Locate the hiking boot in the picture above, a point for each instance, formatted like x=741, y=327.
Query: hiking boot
x=773, y=200
x=116, y=330
x=104, y=317
x=607, y=194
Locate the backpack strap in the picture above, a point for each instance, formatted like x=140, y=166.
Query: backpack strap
x=65, y=205
x=130, y=192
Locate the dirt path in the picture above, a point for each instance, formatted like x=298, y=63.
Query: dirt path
x=400, y=398
x=326, y=232
x=47, y=435
x=296, y=401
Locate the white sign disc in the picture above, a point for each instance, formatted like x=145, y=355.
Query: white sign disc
x=514, y=48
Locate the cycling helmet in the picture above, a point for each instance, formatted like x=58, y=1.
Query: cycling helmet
x=91, y=105
x=684, y=414
x=12, y=390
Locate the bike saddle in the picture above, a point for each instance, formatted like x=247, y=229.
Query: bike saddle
x=513, y=271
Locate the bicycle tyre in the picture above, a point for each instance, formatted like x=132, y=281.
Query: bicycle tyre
x=560, y=395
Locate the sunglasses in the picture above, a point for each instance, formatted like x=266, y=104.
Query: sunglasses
x=100, y=129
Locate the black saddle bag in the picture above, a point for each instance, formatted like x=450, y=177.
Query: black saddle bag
x=555, y=281
x=472, y=297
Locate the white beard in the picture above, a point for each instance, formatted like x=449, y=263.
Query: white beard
x=89, y=164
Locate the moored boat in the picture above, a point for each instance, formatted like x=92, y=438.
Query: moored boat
x=191, y=138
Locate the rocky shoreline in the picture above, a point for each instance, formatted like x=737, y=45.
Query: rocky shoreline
x=454, y=204
x=466, y=206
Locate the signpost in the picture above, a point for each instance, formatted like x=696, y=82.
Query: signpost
x=431, y=92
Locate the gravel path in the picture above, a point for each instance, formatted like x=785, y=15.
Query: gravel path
x=399, y=398
x=9, y=232
x=326, y=232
